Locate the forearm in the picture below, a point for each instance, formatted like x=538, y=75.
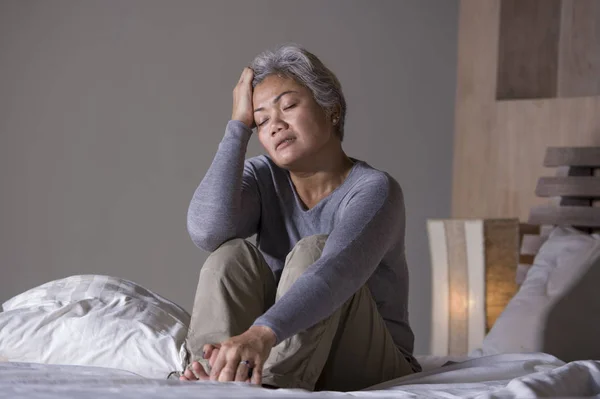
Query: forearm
x=369, y=227
x=215, y=208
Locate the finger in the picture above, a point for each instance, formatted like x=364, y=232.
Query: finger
x=218, y=365
x=246, y=74
x=199, y=371
x=242, y=75
x=257, y=374
x=228, y=372
x=189, y=375
x=243, y=371
x=213, y=357
x=207, y=350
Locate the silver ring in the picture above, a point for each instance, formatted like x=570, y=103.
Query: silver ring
x=246, y=362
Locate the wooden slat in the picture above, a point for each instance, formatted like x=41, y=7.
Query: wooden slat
x=525, y=228
x=531, y=244
x=545, y=230
x=578, y=216
x=526, y=259
x=568, y=187
x=572, y=156
x=570, y=201
x=564, y=171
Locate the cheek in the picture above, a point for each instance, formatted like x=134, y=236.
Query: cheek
x=310, y=121
x=261, y=139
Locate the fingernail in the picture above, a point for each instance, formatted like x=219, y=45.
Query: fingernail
x=203, y=353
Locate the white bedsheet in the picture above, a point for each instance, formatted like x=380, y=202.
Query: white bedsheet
x=499, y=376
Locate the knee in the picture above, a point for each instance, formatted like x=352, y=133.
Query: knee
x=231, y=255
x=315, y=242
x=306, y=252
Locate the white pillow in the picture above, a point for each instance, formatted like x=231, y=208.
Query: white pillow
x=95, y=320
x=560, y=284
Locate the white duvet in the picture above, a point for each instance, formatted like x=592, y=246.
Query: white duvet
x=135, y=339
x=94, y=320
x=498, y=376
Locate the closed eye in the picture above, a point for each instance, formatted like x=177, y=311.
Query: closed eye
x=286, y=108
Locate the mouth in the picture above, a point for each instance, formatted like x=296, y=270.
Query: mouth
x=284, y=143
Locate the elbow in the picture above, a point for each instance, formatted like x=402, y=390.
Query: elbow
x=203, y=239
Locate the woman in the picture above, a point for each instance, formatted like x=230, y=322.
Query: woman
x=320, y=302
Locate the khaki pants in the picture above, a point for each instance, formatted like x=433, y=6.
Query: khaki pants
x=350, y=350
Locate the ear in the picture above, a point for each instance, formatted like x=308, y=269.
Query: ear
x=335, y=115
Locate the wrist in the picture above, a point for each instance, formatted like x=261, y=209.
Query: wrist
x=266, y=334
x=246, y=123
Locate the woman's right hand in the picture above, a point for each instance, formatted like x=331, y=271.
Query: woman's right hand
x=242, y=99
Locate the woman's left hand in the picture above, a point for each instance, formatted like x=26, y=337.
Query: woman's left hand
x=241, y=353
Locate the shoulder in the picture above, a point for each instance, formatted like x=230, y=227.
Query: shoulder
x=264, y=169
x=376, y=183
x=258, y=162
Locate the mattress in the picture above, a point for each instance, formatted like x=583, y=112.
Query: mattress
x=499, y=376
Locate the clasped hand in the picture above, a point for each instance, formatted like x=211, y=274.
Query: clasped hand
x=240, y=358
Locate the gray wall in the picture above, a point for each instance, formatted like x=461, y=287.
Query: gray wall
x=111, y=111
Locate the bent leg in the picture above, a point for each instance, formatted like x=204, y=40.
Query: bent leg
x=235, y=287
x=350, y=350
x=298, y=361
x=363, y=353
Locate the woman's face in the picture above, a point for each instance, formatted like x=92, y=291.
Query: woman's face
x=291, y=125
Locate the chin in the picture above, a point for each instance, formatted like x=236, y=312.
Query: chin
x=288, y=161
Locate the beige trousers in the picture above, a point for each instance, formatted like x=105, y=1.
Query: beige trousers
x=350, y=350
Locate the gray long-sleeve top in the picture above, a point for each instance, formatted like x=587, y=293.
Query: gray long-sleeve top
x=364, y=218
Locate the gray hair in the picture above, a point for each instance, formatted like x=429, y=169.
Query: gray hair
x=295, y=62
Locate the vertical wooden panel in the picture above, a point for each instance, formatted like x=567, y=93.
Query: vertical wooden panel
x=458, y=289
x=579, y=54
x=528, y=49
x=502, y=256
x=475, y=104
x=440, y=314
x=476, y=270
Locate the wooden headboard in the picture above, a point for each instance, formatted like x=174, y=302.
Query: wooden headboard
x=575, y=199
x=478, y=263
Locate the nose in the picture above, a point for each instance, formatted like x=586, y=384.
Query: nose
x=277, y=125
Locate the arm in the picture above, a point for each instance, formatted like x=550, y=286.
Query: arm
x=226, y=204
x=371, y=223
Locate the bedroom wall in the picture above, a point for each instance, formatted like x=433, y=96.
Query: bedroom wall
x=110, y=113
x=518, y=94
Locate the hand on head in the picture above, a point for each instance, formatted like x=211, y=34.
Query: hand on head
x=242, y=99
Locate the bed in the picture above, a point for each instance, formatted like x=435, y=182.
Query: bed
x=499, y=376
x=100, y=336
